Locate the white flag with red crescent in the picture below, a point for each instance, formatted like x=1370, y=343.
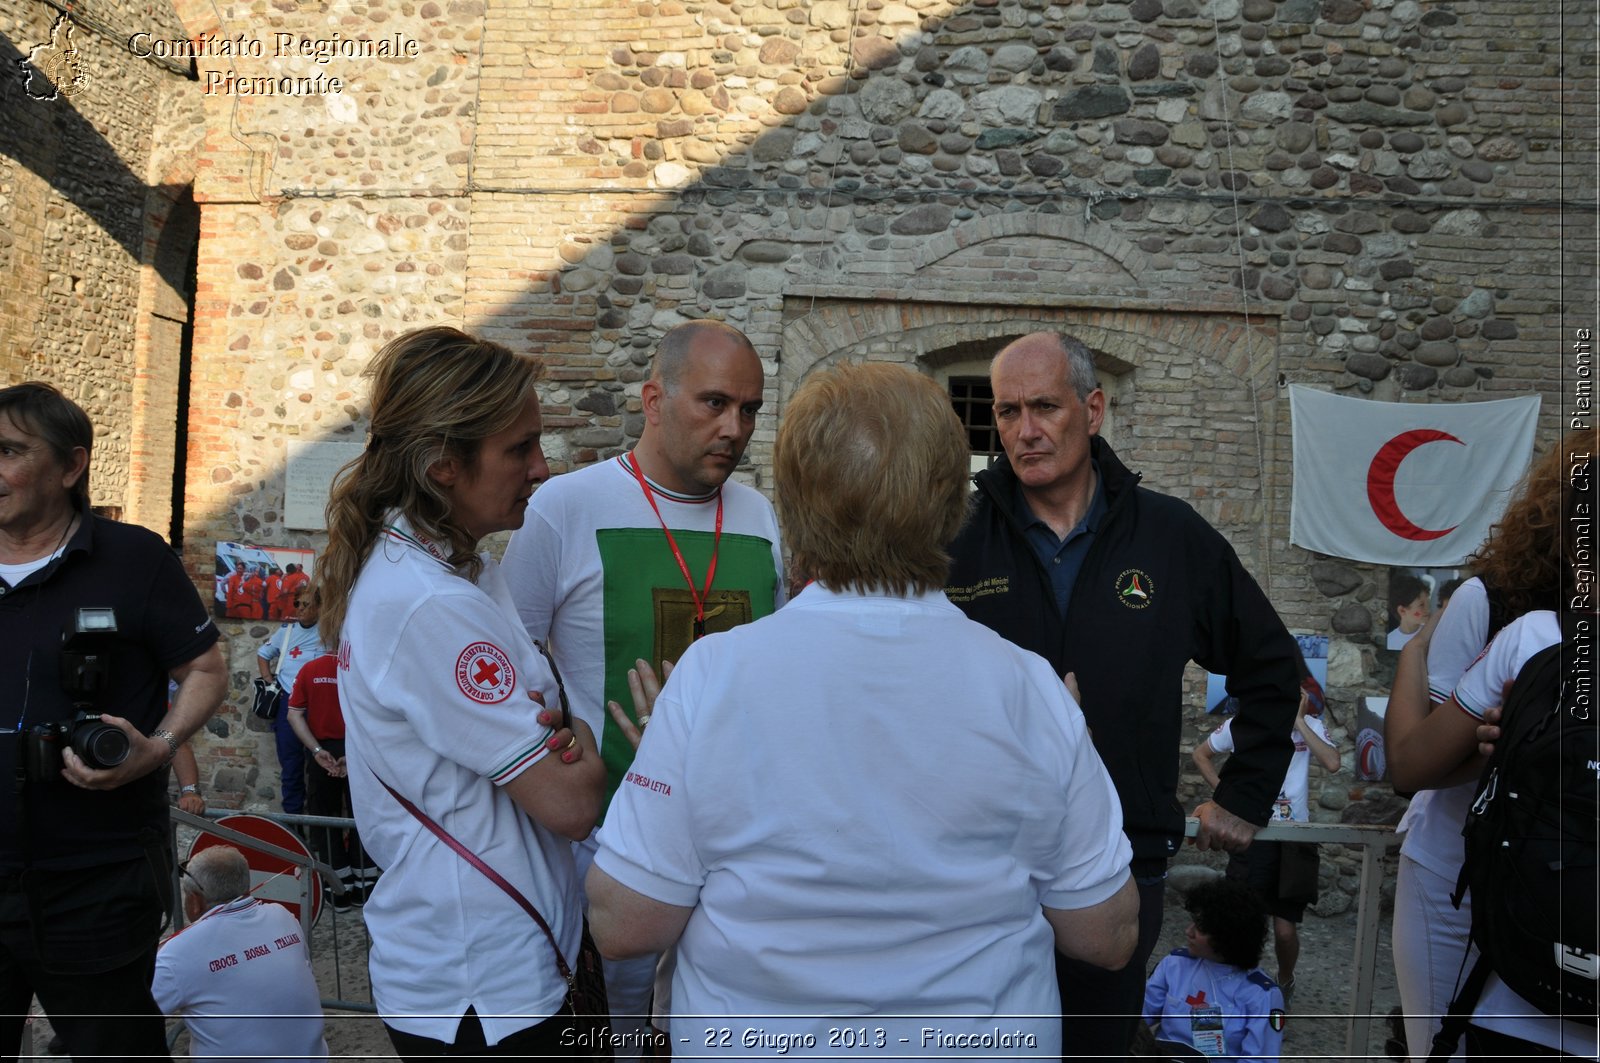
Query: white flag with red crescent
x=1404, y=483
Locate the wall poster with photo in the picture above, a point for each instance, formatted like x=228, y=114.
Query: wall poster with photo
x=1414, y=595
x=260, y=582
x=1313, y=648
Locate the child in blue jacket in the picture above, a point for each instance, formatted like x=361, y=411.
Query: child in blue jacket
x=1211, y=997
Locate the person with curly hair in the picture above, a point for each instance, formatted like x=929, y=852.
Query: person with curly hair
x=1211, y=997
x=1518, y=574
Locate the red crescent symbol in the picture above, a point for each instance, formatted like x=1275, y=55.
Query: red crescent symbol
x=1380, y=482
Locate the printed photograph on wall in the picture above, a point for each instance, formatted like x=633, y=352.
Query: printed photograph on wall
x=260, y=582
x=1414, y=595
x=1314, y=648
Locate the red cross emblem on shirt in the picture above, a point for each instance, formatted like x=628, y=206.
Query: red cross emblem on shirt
x=295, y=652
x=1196, y=1001
x=485, y=674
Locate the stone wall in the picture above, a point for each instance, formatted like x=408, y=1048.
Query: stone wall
x=78, y=177
x=1385, y=197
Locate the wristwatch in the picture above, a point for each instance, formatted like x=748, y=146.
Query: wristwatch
x=191, y=788
x=317, y=752
x=172, y=743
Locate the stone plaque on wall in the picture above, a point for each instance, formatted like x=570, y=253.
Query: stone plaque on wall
x=308, y=477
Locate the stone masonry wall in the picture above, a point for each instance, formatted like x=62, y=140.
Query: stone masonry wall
x=1224, y=197
x=75, y=174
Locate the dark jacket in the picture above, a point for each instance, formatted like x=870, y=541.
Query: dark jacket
x=1159, y=587
x=161, y=624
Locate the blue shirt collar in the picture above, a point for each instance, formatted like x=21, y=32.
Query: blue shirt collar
x=1089, y=524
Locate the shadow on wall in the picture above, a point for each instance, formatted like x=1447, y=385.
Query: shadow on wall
x=1176, y=190
x=52, y=138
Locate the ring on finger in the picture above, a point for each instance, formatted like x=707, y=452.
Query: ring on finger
x=572, y=741
x=644, y=719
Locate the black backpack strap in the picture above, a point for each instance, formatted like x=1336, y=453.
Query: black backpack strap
x=1460, y=892
x=1499, y=611
x=1460, y=1013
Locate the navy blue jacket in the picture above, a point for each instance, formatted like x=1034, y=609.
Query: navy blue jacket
x=1160, y=587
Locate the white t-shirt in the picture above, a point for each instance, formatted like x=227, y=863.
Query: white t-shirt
x=1291, y=803
x=303, y=646
x=15, y=574
x=594, y=578
x=241, y=977
x=867, y=799
x=1480, y=689
x=1397, y=639
x=1432, y=823
x=434, y=674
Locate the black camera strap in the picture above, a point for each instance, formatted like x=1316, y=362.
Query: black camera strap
x=158, y=859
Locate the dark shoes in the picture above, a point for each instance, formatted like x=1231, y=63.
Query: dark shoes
x=356, y=892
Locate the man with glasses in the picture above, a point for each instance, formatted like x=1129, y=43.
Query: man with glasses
x=240, y=973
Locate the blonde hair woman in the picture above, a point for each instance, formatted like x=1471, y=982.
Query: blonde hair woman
x=456, y=770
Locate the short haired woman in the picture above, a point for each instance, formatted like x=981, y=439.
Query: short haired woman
x=443, y=699
x=866, y=805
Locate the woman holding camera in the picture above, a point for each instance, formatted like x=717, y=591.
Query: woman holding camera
x=465, y=787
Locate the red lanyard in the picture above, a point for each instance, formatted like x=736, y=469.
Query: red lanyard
x=699, y=596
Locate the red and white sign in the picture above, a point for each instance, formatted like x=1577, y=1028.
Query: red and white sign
x=272, y=878
x=1404, y=483
x=484, y=673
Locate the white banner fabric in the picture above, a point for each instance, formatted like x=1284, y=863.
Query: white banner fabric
x=1404, y=483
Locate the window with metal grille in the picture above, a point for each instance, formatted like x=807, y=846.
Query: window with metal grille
x=974, y=404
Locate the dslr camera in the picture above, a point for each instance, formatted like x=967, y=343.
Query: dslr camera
x=85, y=674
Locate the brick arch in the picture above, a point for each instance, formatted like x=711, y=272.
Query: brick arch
x=1189, y=350
x=1125, y=339
x=1101, y=240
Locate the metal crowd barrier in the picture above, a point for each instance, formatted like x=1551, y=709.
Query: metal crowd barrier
x=1374, y=842
x=310, y=874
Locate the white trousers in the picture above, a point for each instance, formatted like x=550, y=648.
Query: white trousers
x=1431, y=945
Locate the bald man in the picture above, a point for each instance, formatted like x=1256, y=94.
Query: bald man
x=1066, y=555
x=633, y=558
x=240, y=973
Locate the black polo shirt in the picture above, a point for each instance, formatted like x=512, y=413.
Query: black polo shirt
x=161, y=624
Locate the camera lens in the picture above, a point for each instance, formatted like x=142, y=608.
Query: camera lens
x=100, y=744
